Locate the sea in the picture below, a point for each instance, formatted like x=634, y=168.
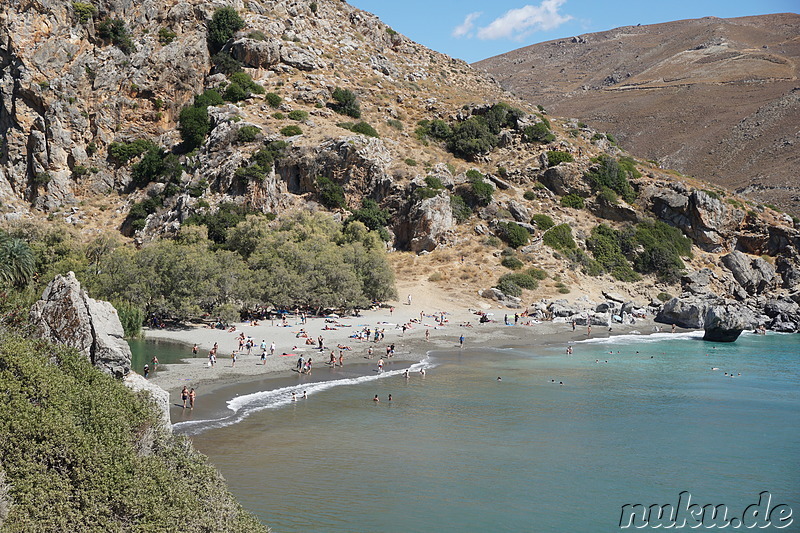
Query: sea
x=521, y=438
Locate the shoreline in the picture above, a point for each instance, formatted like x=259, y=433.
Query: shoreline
x=215, y=386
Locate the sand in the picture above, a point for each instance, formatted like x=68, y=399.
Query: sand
x=409, y=346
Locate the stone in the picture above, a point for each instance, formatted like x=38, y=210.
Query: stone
x=431, y=221
x=66, y=315
x=755, y=275
x=724, y=323
x=613, y=296
x=492, y=293
x=566, y=178
x=687, y=313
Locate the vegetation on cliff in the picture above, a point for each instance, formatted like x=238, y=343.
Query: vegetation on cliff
x=81, y=453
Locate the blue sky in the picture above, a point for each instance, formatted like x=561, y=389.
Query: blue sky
x=476, y=29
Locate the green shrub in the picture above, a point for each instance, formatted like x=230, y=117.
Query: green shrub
x=166, y=36
x=433, y=182
x=529, y=195
x=291, y=130
x=193, y=125
x=313, y=7
x=608, y=196
x=114, y=31
x=512, y=284
x=346, y=103
x=658, y=248
x=225, y=63
x=613, y=174
x=461, y=211
x=513, y=234
x=509, y=288
x=223, y=24
x=664, y=296
x=78, y=171
x=512, y=262
x=273, y=99
x=471, y=138
x=209, y=97
x=278, y=115
x=394, y=123
x=604, y=243
x=122, y=152
x=331, y=195
x=572, y=200
x=156, y=165
x=410, y=162
x=83, y=11
x=241, y=87
x=542, y=221
x=364, y=129
x=132, y=318
x=536, y=273
x=257, y=35
x=560, y=238
x=555, y=157
x=372, y=216
x=538, y=133
x=247, y=134
x=298, y=115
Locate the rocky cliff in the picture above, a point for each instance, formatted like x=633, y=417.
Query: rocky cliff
x=70, y=87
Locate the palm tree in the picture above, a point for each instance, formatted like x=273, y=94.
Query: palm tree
x=17, y=264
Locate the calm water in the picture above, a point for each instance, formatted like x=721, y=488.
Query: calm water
x=456, y=450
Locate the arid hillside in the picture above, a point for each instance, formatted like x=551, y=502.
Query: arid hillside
x=717, y=99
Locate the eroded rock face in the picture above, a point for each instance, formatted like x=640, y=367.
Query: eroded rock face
x=685, y=312
x=431, y=220
x=754, y=274
x=565, y=179
x=66, y=315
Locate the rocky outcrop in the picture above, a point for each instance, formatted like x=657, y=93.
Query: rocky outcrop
x=66, y=315
x=565, y=179
x=160, y=397
x=431, y=223
x=687, y=312
x=708, y=221
x=755, y=275
x=784, y=314
x=724, y=323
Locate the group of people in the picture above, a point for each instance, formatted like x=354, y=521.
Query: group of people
x=188, y=395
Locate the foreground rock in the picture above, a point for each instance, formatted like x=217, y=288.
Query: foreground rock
x=66, y=315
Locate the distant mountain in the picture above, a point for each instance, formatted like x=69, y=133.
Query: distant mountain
x=718, y=99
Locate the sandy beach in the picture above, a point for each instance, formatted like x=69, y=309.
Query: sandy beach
x=290, y=344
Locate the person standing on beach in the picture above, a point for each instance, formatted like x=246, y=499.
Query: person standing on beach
x=192, y=396
x=673, y=327
x=427, y=335
x=184, y=395
x=299, y=366
x=233, y=358
x=589, y=329
x=341, y=358
x=272, y=348
x=409, y=299
x=380, y=365
x=573, y=325
x=461, y=341
x=194, y=350
x=263, y=358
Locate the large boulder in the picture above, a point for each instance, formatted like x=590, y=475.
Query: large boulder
x=724, y=323
x=160, y=397
x=785, y=315
x=689, y=312
x=755, y=275
x=66, y=315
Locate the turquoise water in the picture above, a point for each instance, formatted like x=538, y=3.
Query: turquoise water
x=456, y=450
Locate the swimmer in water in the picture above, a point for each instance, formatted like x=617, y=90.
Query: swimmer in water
x=294, y=397
x=376, y=399
x=499, y=378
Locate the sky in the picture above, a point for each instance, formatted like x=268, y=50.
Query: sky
x=477, y=29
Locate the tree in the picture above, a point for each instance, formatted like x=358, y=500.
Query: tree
x=224, y=23
x=17, y=262
x=346, y=103
x=193, y=125
x=471, y=137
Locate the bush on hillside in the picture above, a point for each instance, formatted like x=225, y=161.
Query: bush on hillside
x=512, y=262
x=193, y=125
x=115, y=31
x=470, y=138
x=538, y=133
x=291, y=130
x=555, y=157
x=513, y=234
x=461, y=211
x=573, y=201
x=273, y=99
x=331, y=195
x=346, y=103
x=560, y=238
x=122, y=152
x=542, y=221
x=613, y=174
x=223, y=24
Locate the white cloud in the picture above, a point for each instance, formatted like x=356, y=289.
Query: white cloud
x=465, y=27
x=518, y=23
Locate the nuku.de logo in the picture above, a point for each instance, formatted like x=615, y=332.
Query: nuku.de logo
x=691, y=515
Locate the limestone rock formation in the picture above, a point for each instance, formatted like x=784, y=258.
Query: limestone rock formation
x=66, y=315
x=689, y=312
x=431, y=220
x=724, y=323
x=755, y=275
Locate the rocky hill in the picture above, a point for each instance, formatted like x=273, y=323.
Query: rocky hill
x=142, y=116
x=714, y=98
